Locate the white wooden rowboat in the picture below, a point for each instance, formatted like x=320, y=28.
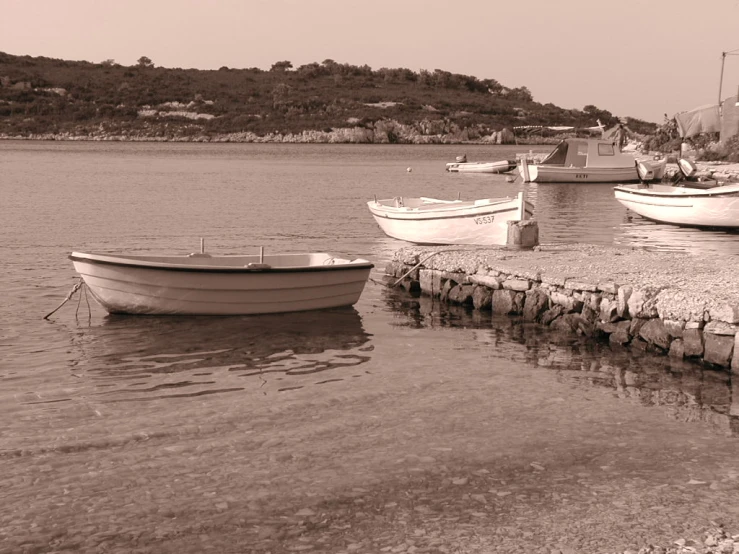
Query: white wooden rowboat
x=689, y=205
x=432, y=221
x=481, y=167
x=201, y=284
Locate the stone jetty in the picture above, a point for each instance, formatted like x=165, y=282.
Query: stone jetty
x=677, y=304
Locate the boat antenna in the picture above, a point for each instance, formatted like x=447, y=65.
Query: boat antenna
x=734, y=52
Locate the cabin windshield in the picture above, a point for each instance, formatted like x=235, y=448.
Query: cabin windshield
x=557, y=156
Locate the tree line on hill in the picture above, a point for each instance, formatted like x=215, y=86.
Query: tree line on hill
x=42, y=96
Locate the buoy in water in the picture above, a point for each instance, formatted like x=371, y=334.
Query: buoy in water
x=409, y=169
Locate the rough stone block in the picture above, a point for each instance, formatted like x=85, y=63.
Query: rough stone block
x=643, y=303
x=517, y=284
x=621, y=334
x=635, y=326
x=624, y=293
x=693, y=343
x=458, y=278
x=568, y=302
x=606, y=327
x=430, y=280
x=555, y=280
x=728, y=313
x=674, y=328
x=535, y=304
x=608, y=310
x=573, y=284
x=677, y=349
x=570, y=323
x=720, y=328
x=482, y=297
x=461, y=294
x=654, y=332
x=609, y=287
x=551, y=314
x=504, y=301
x=718, y=349
x=735, y=359
x=445, y=288
x=593, y=301
x=590, y=315
x=486, y=280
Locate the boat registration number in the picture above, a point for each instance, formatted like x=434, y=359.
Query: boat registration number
x=581, y=176
x=483, y=220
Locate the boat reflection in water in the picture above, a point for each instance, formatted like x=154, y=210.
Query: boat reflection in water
x=643, y=233
x=141, y=358
x=683, y=389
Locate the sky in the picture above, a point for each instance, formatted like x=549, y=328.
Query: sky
x=635, y=58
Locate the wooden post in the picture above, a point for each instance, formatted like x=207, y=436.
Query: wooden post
x=525, y=170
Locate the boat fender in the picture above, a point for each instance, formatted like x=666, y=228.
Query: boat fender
x=257, y=266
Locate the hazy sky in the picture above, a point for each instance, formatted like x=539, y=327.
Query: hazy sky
x=639, y=58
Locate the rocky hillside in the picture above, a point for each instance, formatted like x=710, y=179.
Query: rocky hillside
x=318, y=102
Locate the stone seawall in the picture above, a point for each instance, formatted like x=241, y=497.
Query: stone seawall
x=677, y=304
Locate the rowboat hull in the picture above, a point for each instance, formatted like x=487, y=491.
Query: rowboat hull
x=221, y=285
x=431, y=221
x=557, y=174
x=481, y=167
x=692, y=207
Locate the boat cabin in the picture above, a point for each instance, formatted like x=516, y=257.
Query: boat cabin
x=579, y=152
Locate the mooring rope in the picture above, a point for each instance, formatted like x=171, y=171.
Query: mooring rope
x=419, y=264
x=75, y=288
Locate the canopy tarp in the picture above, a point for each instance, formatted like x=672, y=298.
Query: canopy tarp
x=703, y=119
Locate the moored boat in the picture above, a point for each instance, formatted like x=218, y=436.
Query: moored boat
x=202, y=284
x=502, y=166
x=693, y=205
x=432, y=221
x=583, y=160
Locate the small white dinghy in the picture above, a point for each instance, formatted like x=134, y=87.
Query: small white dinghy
x=502, y=166
x=202, y=284
x=431, y=221
x=693, y=205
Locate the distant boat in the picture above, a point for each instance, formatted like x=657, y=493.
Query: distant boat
x=201, y=284
x=583, y=160
x=692, y=205
x=502, y=166
x=431, y=221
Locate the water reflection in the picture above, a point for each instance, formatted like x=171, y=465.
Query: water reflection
x=140, y=358
x=640, y=232
x=685, y=390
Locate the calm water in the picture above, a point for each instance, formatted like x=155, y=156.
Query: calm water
x=59, y=197
x=84, y=378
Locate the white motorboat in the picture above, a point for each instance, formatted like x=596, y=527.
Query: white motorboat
x=583, y=160
x=690, y=205
x=431, y=221
x=502, y=166
x=202, y=284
